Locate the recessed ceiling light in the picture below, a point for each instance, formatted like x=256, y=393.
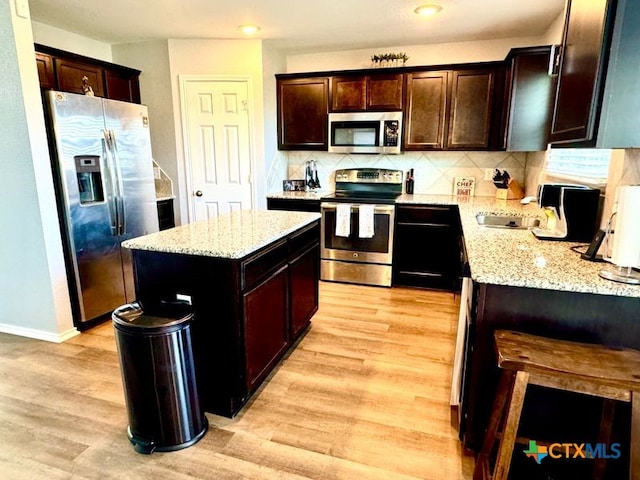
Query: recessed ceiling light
x=249, y=29
x=428, y=10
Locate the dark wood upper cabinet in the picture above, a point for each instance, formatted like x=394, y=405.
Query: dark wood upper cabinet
x=581, y=71
x=69, y=72
x=379, y=92
x=44, y=63
x=122, y=85
x=302, y=113
x=451, y=109
x=70, y=75
x=348, y=94
x=384, y=92
x=426, y=108
x=444, y=108
x=470, y=109
x=529, y=103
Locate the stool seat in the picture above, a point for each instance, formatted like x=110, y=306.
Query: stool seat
x=608, y=372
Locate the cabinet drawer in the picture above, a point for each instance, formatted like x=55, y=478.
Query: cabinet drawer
x=433, y=215
x=263, y=263
x=302, y=240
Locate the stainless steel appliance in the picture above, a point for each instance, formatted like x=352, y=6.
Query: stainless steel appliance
x=357, y=226
x=365, y=132
x=101, y=157
x=572, y=212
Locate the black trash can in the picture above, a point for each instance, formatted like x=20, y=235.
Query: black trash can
x=159, y=377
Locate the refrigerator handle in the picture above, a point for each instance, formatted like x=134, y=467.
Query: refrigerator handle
x=110, y=183
x=122, y=221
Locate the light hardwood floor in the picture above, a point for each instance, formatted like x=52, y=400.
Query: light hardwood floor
x=364, y=395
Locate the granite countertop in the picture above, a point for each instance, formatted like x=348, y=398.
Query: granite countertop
x=516, y=257
x=233, y=236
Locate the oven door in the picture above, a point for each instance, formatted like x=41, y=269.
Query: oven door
x=377, y=249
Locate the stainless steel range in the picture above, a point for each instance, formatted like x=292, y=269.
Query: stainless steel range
x=357, y=226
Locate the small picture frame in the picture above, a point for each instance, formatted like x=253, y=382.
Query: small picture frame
x=293, y=185
x=464, y=186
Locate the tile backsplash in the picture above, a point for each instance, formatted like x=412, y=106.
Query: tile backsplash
x=434, y=172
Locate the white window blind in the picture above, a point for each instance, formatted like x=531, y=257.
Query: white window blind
x=582, y=165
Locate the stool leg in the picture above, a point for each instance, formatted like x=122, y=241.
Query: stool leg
x=497, y=413
x=503, y=461
x=604, y=436
x=634, y=464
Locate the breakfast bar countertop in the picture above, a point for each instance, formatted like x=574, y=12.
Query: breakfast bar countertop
x=233, y=236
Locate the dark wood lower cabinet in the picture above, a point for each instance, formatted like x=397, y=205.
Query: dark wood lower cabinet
x=303, y=270
x=426, y=249
x=266, y=329
x=247, y=312
x=166, y=218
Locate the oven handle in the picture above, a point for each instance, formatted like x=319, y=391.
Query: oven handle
x=382, y=209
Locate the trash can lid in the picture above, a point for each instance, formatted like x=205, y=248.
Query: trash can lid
x=132, y=316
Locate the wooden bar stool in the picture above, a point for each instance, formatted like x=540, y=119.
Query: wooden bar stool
x=607, y=372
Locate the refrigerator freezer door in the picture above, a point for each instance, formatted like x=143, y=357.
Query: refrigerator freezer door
x=93, y=252
x=138, y=211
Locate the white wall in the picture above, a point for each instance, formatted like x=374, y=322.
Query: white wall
x=223, y=58
x=152, y=59
x=434, y=54
x=71, y=42
x=273, y=61
x=34, y=298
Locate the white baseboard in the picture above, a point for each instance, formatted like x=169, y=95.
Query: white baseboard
x=39, y=334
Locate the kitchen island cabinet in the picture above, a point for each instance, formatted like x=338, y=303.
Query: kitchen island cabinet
x=252, y=278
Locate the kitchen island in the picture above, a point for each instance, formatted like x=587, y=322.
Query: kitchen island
x=252, y=278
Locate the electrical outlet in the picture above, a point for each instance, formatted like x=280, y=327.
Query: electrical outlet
x=488, y=173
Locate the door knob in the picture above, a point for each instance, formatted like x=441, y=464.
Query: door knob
x=198, y=193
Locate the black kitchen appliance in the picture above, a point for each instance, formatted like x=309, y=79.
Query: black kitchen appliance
x=572, y=212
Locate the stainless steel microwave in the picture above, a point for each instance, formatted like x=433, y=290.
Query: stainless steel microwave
x=365, y=132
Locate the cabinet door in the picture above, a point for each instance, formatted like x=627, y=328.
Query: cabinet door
x=304, y=272
x=384, y=92
x=302, y=113
x=44, y=63
x=581, y=70
x=425, y=114
x=348, y=94
x=470, y=109
x=266, y=328
x=425, y=252
x=530, y=101
x=70, y=75
x=122, y=86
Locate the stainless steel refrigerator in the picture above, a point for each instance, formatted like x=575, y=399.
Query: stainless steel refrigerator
x=101, y=156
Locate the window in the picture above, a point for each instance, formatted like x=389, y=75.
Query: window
x=589, y=166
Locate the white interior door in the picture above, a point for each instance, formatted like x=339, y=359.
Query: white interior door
x=218, y=149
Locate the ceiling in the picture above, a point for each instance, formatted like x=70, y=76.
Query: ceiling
x=298, y=26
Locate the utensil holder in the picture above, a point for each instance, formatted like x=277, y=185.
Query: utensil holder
x=512, y=192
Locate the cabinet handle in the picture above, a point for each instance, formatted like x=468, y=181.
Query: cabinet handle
x=554, y=59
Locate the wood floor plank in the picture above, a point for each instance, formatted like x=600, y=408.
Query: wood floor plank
x=365, y=395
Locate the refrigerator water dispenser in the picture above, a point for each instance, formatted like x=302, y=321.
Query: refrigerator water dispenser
x=89, y=179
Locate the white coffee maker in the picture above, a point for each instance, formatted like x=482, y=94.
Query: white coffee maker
x=624, y=239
